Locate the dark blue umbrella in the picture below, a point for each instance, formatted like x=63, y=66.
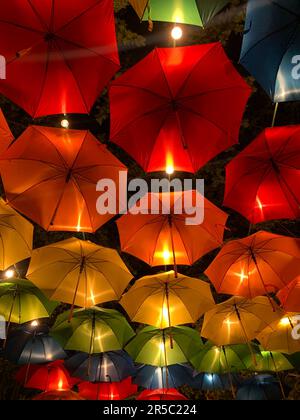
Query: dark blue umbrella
x=112, y=366
x=260, y=387
x=213, y=381
x=32, y=345
x=173, y=376
x=270, y=50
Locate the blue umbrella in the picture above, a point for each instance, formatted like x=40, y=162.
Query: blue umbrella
x=32, y=345
x=213, y=381
x=112, y=366
x=173, y=376
x=270, y=50
x=260, y=387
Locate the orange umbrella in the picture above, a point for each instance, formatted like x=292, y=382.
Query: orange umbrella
x=165, y=238
x=6, y=136
x=50, y=175
x=259, y=264
x=289, y=296
x=239, y=320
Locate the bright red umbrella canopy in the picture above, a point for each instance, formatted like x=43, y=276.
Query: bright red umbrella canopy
x=161, y=394
x=263, y=181
x=60, y=54
x=178, y=107
x=51, y=377
x=50, y=175
x=107, y=390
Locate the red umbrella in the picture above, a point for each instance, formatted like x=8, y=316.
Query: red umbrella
x=60, y=54
x=178, y=107
x=58, y=396
x=6, y=136
x=167, y=238
x=50, y=175
x=263, y=181
x=107, y=390
x=161, y=394
x=51, y=377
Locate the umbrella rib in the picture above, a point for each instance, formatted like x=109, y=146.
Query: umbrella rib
x=19, y=234
x=73, y=75
x=142, y=303
x=272, y=268
x=38, y=16
x=185, y=82
x=203, y=93
x=144, y=89
x=263, y=39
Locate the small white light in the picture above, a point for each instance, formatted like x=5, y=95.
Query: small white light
x=176, y=33
x=34, y=324
x=210, y=377
x=170, y=169
x=9, y=274
x=65, y=123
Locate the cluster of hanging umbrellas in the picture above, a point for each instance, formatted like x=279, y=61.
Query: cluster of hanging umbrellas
x=189, y=95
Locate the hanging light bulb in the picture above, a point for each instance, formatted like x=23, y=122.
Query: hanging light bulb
x=9, y=274
x=65, y=123
x=176, y=33
x=34, y=324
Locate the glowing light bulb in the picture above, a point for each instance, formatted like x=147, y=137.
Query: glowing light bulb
x=60, y=385
x=210, y=377
x=170, y=169
x=34, y=323
x=9, y=274
x=166, y=256
x=284, y=321
x=176, y=33
x=65, y=123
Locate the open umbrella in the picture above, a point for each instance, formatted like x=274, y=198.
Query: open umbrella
x=223, y=359
x=107, y=391
x=166, y=238
x=6, y=136
x=51, y=174
x=79, y=272
x=163, y=300
x=152, y=346
x=256, y=265
x=95, y=330
x=272, y=33
x=259, y=388
x=270, y=168
x=32, y=345
x=192, y=12
x=151, y=377
x=113, y=366
x=161, y=395
x=270, y=361
x=50, y=377
x=21, y=301
x=177, y=99
x=289, y=296
x=239, y=320
x=16, y=235
x=58, y=61
x=278, y=337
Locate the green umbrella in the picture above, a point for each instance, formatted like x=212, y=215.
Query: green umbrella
x=268, y=361
x=192, y=12
x=94, y=330
x=21, y=301
x=224, y=359
x=166, y=347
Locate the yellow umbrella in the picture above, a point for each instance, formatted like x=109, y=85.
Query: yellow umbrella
x=163, y=300
x=16, y=235
x=278, y=337
x=79, y=273
x=239, y=320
